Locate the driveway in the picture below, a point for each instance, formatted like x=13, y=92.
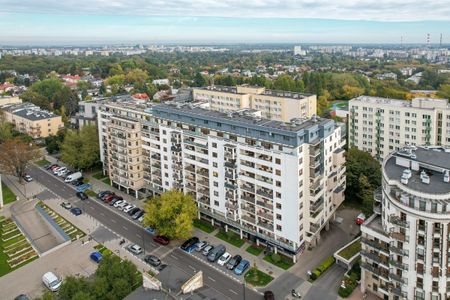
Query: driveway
x=36, y=228
x=28, y=279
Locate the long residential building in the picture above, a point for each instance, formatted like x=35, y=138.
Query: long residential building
x=274, y=105
x=274, y=183
x=30, y=119
x=380, y=125
x=406, y=243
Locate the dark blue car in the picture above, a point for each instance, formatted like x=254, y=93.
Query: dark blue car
x=243, y=265
x=76, y=211
x=96, y=256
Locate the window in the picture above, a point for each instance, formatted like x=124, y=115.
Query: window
x=216, y=203
x=215, y=183
x=214, y=145
x=279, y=217
x=277, y=161
x=279, y=227
x=214, y=154
x=278, y=205
x=216, y=193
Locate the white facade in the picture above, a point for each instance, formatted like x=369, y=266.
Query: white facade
x=281, y=194
x=380, y=125
x=405, y=250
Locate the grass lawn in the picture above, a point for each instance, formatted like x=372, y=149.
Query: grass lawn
x=106, y=180
x=230, y=237
x=256, y=277
x=8, y=195
x=42, y=162
x=284, y=263
x=254, y=250
x=350, y=251
x=203, y=225
x=99, y=176
x=90, y=193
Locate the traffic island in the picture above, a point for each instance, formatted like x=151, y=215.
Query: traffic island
x=257, y=278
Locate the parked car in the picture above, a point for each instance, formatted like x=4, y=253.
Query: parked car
x=134, y=248
x=114, y=200
x=217, y=252
x=150, y=230
x=224, y=259
x=200, y=246
x=96, y=256
x=152, y=260
x=129, y=207
x=49, y=166
x=141, y=219
x=233, y=262
x=62, y=172
x=82, y=196
x=107, y=198
x=78, y=181
x=27, y=178
x=133, y=211
x=103, y=193
x=242, y=267
x=161, y=240
x=268, y=295
x=22, y=297
x=51, y=281
x=189, y=245
x=76, y=211
x=58, y=170
x=207, y=249
x=73, y=176
x=66, y=205
x=53, y=167
x=138, y=214
x=117, y=203
x=83, y=187
x=121, y=205
x=360, y=219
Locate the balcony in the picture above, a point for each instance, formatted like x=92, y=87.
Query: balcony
x=230, y=186
x=265, y=215
x=230, y=175
x=203, y=173
x=157, y=166
x=204, y=200
x=376, y=271
x=265, y=204
x=203, y=182
x=399, y=236
x=314, y=228
x=377, y=195
x=203, y=191
x=375, y=257
x=248, y=218
x=248, y=188
x=398, y=278
x=230, y=164
x=399, y=251
x=231, y=205
x=265, y=225
x=398, y=221
x=398, y=292
x=264, y=193
x=398, y=264
x=248, y=199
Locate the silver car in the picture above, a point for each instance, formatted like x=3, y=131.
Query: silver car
x=207, y=249
x=134, y=248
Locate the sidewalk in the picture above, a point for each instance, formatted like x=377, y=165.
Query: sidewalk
x=274, y=271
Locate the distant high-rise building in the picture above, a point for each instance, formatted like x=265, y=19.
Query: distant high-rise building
x=298, y=51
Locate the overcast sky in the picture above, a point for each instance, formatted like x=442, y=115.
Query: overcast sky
x=227, y=21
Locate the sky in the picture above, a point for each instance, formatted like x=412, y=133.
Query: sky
x=80, y=22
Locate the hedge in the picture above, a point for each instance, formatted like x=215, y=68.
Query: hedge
x=325, y=265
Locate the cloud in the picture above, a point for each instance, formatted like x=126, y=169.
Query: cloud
x=374, y=10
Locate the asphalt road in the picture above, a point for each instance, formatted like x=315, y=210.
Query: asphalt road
x=136, y=234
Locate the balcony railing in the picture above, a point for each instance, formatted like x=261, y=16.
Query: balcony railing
x=248, y=218
x=377, y=195
x=265, y=225
x=398, y=278
x=399, y=251
x=265, y=204
x=398, y=221
x=231, y=205
x=248, y=198
x=376, y=271
x=399, y=236
x=264, y=193
x=398, y=264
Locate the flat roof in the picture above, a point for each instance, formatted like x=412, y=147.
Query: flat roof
x=398, y=102
x=433, y=161
x=29, y=111
x=273, y=93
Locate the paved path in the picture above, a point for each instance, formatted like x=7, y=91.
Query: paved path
x=28, y=279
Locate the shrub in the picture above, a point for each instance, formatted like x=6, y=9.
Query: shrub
x=325, y=265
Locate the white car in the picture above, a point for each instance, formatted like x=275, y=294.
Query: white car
x=224, y=259
x=52, y=282
x=141, y=219
x=63, y=172
x=134, y=248
x=128, y=208
x=118, y=202
x=59, y=170
x=122, y=205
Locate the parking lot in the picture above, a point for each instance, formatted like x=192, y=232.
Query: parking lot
x=28, y=279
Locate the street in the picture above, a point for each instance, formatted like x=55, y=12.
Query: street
x=133, y=232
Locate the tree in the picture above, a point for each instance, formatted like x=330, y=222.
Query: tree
x=137, y=78
x=73, y=285
x=199, y=80
x=444, y=91
x=16, y=156
x=6, y=129
x=80, y=150
x=172, y=214
x=363, y=176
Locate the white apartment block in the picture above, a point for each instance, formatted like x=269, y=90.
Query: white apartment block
x=406, y=243
x=380, y=125
x=274, y=183
x=274, y=105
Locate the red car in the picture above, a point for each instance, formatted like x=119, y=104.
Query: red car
x=108, y=198
x=161, y=240
x=361, y=218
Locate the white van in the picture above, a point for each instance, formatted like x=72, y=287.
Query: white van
x=52, y=282
x=73, y=177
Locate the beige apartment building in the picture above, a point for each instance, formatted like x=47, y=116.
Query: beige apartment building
x=380, y=125
x=29, y=119
x=275, y=105
x=277, y=184
x=4, y=100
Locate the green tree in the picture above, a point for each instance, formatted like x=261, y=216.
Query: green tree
x=363, y=176
x=444, y=91
x=6, y=129
x=72, y=285
x=80, y=150
x=172, y=214
x=199, y=80
x=16, y=156
x=137, y=78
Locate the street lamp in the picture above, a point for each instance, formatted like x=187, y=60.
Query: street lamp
x=243, y=285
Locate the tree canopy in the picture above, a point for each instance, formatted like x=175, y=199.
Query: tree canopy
x=172, y=214
x=80, y=149
x=16, y=156
x=363, y=177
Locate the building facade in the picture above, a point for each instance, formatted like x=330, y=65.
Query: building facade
x=87, y=113
x=274, y=183
x=380, y=125
x=406, y=243
x=275, y=105
x=29, y=119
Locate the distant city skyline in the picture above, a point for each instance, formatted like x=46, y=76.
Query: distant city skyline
x=82, y=22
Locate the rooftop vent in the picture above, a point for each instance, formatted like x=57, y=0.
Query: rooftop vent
x=424, y=177
x=407, y=173
x=446, y=176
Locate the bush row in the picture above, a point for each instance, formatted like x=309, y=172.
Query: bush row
x=325, y=265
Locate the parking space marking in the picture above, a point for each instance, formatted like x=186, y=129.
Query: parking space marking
x=233, y=292
x=102, y=214
x=114, y=221
x=192, y=268
x=173, y=256
x=124, y=227
x=212, y=279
